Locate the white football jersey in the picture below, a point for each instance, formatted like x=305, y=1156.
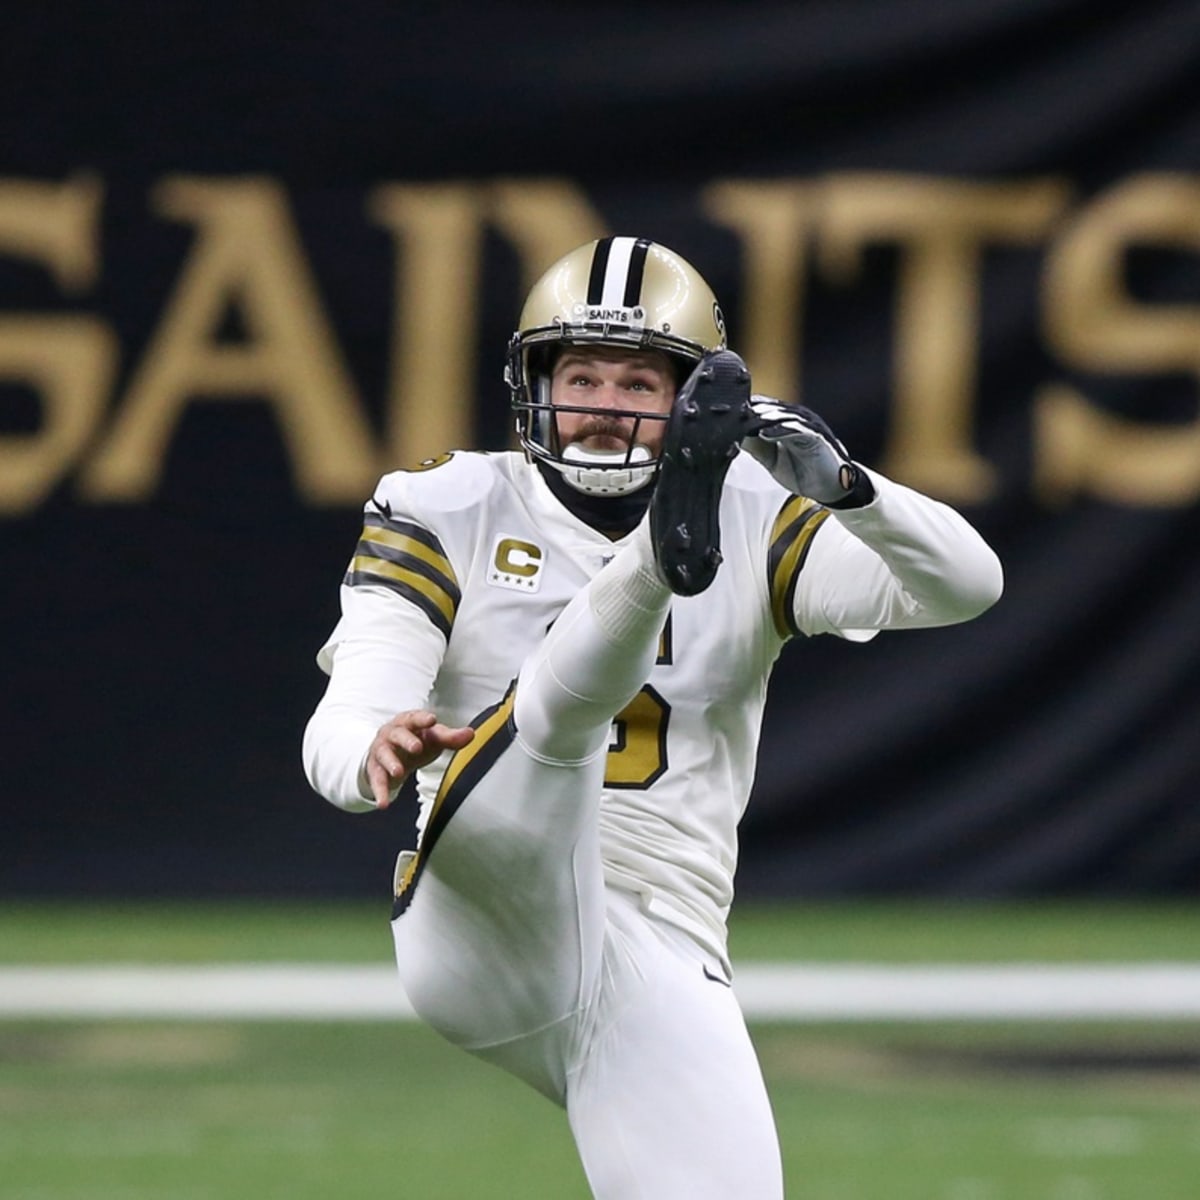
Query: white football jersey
x=465, y=563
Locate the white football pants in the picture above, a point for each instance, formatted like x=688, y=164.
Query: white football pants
x=509, y=943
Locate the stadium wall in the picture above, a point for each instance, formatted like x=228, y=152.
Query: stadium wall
x=248, y=264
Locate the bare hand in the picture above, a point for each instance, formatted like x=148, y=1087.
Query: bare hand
x=408, y=741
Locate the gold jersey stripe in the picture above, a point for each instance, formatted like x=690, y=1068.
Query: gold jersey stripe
x=408, y=544
x=385, y=572
x=791, y=536
x=409, y=560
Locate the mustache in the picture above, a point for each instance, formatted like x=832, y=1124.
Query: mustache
x=606, y=426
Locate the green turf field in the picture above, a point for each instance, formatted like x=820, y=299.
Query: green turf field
x=67, y=932
x=215, y=1110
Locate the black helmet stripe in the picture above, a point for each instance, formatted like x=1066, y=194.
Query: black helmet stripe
x=599, y=268
x=618, y=265
x=637, y=267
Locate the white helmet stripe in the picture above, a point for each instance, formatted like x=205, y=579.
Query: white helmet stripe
x=617, y=272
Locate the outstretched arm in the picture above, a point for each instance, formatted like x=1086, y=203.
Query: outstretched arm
x=904, y=561
x=889, y=557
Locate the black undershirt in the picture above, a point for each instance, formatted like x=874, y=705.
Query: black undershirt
x=613, y=516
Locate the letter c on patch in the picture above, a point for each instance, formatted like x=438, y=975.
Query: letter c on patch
x=518, y=558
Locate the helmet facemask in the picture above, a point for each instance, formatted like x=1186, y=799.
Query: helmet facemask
x=595, y=472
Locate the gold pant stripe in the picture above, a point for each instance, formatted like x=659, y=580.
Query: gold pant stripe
x=494, y=732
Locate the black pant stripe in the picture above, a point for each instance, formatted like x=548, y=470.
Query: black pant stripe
x=494, y=733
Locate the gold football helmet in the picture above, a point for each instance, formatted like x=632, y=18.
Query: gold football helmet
x=617, y=291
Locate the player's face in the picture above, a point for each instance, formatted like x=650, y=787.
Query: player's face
x=603, y=380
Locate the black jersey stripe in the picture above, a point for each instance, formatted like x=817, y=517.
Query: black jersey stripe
x=437, y=571
x=791, y=536
x=666, y=644
x=424, y=593
x=637, y=268
x=595, y=288
x=494, y=733
x=396, y=538
x=791, y=514
x=405, y=528
x=408, y=559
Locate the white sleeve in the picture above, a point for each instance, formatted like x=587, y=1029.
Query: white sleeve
x=904, y=561
x=382, y=659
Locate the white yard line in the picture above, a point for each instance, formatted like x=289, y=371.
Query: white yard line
x=250, y=990
x=778, y=991
x=948, y=992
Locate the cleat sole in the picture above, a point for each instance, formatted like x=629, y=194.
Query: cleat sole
x=711, y=416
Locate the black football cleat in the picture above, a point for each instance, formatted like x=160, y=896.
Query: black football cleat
x=708, y=420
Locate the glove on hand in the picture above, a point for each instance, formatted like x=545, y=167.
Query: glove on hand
x=804, y=455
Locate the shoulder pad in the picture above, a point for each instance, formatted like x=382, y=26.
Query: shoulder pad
x=449, y=483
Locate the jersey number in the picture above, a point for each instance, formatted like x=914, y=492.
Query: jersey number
x=637, y=755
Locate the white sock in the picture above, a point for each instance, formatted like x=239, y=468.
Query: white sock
x=628, y=597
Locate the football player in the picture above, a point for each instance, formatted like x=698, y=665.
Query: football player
x=569, y=646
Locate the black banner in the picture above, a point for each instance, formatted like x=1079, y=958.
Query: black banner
x=247, y=264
